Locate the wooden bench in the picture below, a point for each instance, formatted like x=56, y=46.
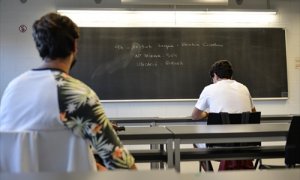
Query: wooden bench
x=157, y=158
x=219, y=153
x=149, y=155
x=236, y=153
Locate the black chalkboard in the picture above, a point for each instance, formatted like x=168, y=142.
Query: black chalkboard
x=173, y=63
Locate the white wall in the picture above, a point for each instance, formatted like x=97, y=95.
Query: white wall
x=18, y=54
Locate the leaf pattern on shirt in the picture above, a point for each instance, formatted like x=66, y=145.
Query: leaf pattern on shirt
x=82, y=112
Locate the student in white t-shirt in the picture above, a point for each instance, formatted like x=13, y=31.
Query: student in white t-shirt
x=224, y=95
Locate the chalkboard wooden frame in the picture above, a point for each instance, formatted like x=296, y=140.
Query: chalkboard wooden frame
x=172, y=64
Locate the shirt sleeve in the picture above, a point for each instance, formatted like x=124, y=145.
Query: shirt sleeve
x=202, y=103
x=82, y=112
x=251, y=101
x=250, y=97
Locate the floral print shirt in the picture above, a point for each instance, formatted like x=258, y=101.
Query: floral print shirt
x=48, y=99
x=82, y=112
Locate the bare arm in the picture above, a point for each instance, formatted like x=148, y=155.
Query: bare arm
x=198, y=114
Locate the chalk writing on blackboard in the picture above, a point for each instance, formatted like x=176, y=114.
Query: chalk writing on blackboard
x=148, y=55
x=174, y=63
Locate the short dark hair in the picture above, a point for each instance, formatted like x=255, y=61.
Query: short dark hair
x=54, y=35
x=222, y=68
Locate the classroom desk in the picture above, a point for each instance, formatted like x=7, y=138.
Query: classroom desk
x=149, y=135
x=165, y=121
x=108, y=175
x=155, y=121
x=283, y=174
x=226, y=134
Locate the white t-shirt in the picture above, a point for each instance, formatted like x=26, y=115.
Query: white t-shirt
x=225, y=96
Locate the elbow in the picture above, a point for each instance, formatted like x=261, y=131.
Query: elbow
x=194, y=117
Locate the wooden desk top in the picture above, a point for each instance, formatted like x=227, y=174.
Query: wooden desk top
x=284, y=174
x=232, y=130
x=108, y=175
x=188, y=120
x=143, y=133
x=205, y=131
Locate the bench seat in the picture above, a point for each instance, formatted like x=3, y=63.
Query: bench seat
x=149, y=155
x=234, y=153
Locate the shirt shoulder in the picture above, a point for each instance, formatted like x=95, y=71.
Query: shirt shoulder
x=67, y=82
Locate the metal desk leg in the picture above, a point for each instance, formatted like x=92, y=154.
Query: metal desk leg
x=154, y=165
x=177, y=154
x=162, y=149
x=170, y=153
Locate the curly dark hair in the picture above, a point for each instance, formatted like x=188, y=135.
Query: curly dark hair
x=54, y=36
x=222, y=68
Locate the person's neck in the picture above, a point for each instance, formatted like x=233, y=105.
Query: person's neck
x=220, y=79
x=62, y=64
